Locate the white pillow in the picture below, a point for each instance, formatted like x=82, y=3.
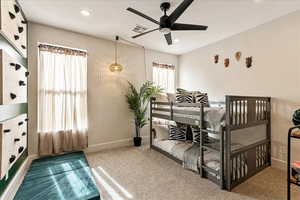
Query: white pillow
x=162, y=132
x=171, y=97
x=161, y=97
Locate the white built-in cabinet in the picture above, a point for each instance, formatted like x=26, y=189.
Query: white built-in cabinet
x=13, y=85
x=13, y=141
x=13, y=26
x=13, y=76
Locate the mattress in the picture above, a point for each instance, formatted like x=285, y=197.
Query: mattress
x=239, y=138
x=177, y=149
x=213, y=116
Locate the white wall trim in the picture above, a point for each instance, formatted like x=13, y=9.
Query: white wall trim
x=113, y=145
x=17, y=180
x=108, y=145
x=279, y=164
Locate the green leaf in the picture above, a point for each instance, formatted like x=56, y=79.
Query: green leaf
x=138, y=101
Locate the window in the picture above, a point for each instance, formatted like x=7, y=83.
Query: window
x=62, y=99
x=164, y=76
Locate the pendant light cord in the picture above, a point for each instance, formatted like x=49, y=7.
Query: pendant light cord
x=116, y=49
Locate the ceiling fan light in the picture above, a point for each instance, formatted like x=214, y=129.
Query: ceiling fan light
x=165, y=30
x=115, y=67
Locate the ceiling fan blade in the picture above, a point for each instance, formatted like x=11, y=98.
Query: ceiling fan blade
x=145, y=33
x=169, y=38
x=179, y=10
x=142, y=15
x=188, y=27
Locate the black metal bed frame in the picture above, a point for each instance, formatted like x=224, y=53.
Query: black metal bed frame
x=289, y=181
x=242, y=112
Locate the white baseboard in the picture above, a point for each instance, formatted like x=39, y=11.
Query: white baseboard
x=112, y=145
x=17, y=180
x=279, y=164
x=108, y=145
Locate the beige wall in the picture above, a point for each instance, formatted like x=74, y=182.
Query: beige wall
x=109, y=119
x=275, y=48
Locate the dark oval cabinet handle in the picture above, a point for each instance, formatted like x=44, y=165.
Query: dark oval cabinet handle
x=23, y=46
x=24, y=133
x=21, y=149
x=17, y=9
x=12, y=158
x=12, y=16
x=13, y=96
x=6, y=130
x=20, y=29
x=20, y=123
x=18, y=67
x=17, y=139
x=22, y=83
x=16, y=37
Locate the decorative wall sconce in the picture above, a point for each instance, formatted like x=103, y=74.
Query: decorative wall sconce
x=249, y=62
x=115, y=67
x=216, y=58
x=238, y=55
x=227, y=62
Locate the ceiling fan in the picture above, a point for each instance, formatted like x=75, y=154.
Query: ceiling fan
x=168, y=23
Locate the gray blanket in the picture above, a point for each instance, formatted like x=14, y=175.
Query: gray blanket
x=190, y=158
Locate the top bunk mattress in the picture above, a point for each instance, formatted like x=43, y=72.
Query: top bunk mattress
x=214, y=117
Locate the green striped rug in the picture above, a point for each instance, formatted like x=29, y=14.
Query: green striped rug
x=62, y=177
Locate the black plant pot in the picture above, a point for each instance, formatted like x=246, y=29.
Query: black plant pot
x=137, y=141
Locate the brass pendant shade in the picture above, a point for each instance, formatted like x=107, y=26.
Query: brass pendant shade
x=116, y=67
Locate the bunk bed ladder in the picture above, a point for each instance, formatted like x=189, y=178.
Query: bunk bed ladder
x=204, y=170
x=201, y=123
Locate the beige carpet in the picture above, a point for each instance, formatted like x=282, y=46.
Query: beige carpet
x=144, y=174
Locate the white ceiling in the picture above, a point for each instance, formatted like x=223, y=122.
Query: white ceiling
x=109, y=18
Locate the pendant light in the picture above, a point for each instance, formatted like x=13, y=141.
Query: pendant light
x=115, y=67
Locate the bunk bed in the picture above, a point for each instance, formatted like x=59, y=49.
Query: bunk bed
x=239, y=136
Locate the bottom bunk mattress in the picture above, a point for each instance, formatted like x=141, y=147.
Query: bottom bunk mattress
x=177, y=149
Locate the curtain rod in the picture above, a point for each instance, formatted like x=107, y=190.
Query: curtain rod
x=60, y=46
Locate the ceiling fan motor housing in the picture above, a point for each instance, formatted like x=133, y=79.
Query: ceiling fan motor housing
x=165, y=24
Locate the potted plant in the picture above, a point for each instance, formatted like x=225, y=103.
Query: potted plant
x=138, y=101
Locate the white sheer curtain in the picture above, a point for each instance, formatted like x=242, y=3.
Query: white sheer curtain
x=62, y=100
x=164, y=76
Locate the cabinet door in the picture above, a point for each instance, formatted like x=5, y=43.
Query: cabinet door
x=21, y=135
x=13, y=141
x=13, y=25
x=21, y=26
x=7, y=147
x=8, y=19
x=14, y=81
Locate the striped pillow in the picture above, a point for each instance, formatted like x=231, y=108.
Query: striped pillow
x=184, y=96
x=177, y=133
x=201, y=98
x=196, y=135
